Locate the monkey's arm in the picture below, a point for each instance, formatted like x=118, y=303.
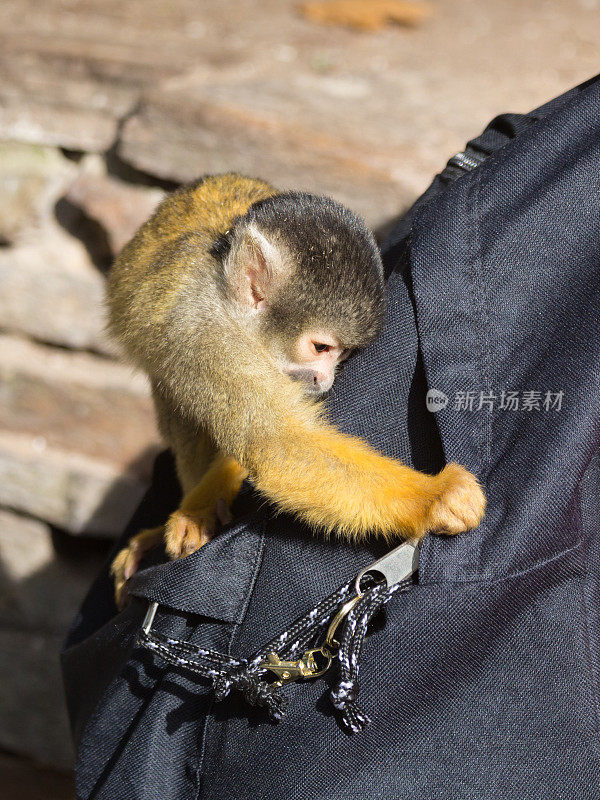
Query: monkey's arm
x=337, y=483
x=301, y=463
x=334, y=483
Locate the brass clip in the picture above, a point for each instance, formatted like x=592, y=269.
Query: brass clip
x=288, y=671
x=331, y=642
x=308, y=666
x=398, y=564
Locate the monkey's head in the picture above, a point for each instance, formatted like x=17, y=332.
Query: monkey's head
x=304, y=274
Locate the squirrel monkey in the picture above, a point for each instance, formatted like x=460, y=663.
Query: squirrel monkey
x=239, y=302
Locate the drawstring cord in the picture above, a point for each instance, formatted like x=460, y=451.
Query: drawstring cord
x=344, y=695
x=247, y=675
x=340, y=622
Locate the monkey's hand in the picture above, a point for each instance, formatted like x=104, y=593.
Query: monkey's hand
x=461, y=502
x=183, y=534
x=127, y=560
x=195, y=522
x=187, y=531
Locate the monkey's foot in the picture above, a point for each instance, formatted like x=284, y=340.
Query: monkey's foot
x=186, y=532
x=461, y=503
x=127, y=560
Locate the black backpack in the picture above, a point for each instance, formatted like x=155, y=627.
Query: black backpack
x=481, y=678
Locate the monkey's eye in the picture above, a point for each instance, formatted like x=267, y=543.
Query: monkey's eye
x=321, y=348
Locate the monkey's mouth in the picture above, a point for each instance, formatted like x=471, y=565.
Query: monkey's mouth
x=305, y=376
x=311, y=385
x=316, y=393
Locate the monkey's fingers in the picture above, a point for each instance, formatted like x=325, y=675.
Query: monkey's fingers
x=461, y=504
x=122, y=568
x=127, y=561
x=185, y=533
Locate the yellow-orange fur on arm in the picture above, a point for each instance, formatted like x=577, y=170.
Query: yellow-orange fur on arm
x=338, y=483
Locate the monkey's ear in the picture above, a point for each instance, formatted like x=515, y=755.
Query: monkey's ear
x=253, y=268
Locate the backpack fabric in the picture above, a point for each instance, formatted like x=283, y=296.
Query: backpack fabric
x=483, y=680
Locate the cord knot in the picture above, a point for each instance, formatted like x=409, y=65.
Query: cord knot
x=244, y=675
x=256, y=692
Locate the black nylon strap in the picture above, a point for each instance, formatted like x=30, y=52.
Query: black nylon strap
x=498, y=133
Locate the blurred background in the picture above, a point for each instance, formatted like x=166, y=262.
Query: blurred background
x=104, y=106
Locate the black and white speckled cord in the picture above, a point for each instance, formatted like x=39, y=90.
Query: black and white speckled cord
x=245, y=675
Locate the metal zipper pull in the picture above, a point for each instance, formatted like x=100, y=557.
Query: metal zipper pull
x=395, y=566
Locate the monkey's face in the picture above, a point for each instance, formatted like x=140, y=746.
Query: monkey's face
x=312, y=358
x=303, y=276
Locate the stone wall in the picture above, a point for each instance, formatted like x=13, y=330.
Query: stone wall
x=106, y=104
x=77, y=432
